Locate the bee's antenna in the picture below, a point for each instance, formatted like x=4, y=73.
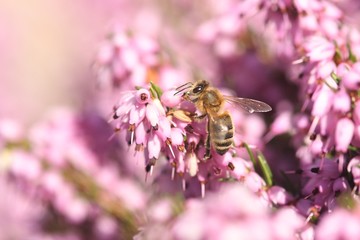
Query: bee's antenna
x=181, y=90
x=183, y=87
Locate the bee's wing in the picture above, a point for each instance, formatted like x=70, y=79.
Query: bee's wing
x=247, y=104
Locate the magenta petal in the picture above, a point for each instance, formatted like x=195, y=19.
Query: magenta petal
x=343, y=134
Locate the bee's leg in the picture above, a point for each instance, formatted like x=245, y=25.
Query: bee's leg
x=198, y=117
x=208, y=143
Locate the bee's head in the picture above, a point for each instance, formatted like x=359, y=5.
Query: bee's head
x=195, y=89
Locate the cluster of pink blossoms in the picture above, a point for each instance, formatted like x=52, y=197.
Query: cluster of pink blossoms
x=160, y=125
x=232, y=213
x=327, y=49
x=125, y=60
x=67, y=163
x=324, y=51
x=300, y=56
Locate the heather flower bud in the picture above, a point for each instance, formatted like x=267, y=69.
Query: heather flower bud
x=137, y=114
x=354, y=168
x=241, y=168
x=319, y=48
x=165, y=128
x=340, y=224
x=356, y=113
x=351, y=80
x=154, y=146
x=140, y=133
x=322, y=101
x=342, y=102
x=152, y=114
x=170, y=100
x=282, y=123
x=180, y=167
x=326, y=68
x=254, y=182
x=279, y=196
x=316, y=146
x=177, y=137
x=343, y=134
x=142, y=96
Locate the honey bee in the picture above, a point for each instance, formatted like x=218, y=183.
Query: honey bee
x=210, y=102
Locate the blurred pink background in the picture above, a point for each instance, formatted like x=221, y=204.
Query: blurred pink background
x=46, y=47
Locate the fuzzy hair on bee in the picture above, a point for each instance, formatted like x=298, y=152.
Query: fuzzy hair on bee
x=210, y=102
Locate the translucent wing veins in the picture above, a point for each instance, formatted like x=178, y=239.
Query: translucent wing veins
x=249, y=105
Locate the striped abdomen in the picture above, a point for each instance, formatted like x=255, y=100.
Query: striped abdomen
x=221, y=132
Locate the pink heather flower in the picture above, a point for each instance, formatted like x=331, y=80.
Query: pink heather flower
x=351, y=79
x=88, y=182
x=124, y=58
x=340, y=224
x=354, y=168
x=356, y=114
x=167, y=130
x=343, y=134
x=323, y=99
x=281, y=125
x=145, y=119
x=342, y=102
x=279, y=196
x=169, y=99
x=245, y=218
x=324, y=183
x=319, y=48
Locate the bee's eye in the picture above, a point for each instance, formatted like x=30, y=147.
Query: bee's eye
x=197, y=89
